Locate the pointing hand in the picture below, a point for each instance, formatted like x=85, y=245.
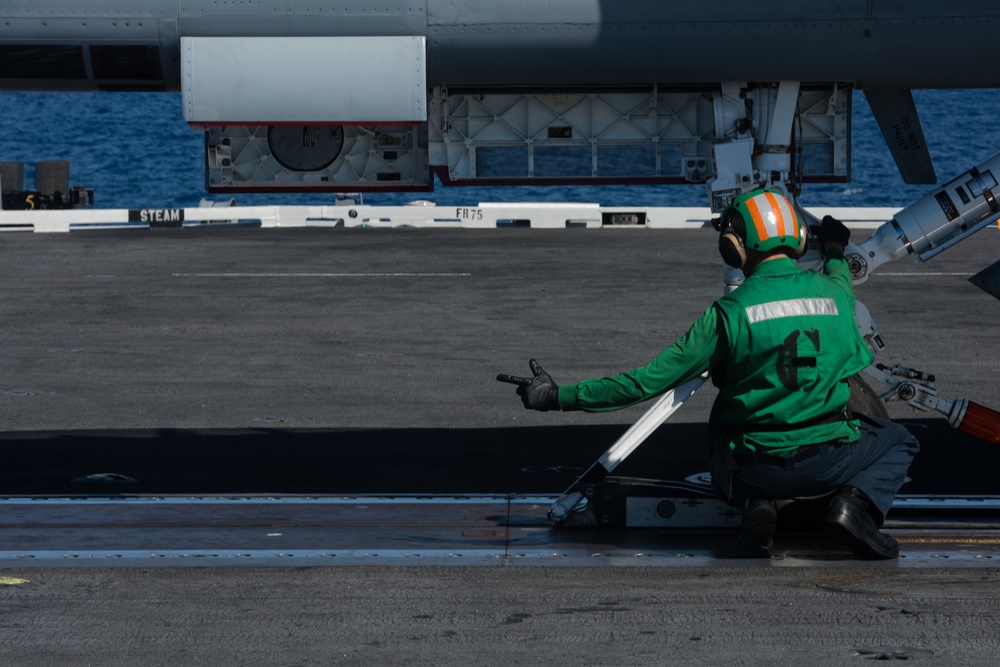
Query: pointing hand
x=538, y=392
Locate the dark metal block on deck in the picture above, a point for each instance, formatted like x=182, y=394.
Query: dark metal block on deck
x=52, y=176
x=11, y=176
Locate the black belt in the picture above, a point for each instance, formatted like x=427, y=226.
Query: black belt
x=786, y=461
x=836, y=417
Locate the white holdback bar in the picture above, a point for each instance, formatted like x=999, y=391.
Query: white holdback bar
x=488, y=215
x=651, y=420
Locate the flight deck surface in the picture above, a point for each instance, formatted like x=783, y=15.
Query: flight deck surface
x=305, y=424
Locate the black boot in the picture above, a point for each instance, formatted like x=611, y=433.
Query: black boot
x=850, y=521
x=759, y=520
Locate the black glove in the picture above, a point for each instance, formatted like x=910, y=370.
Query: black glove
x=537, y=393
x=832, y=230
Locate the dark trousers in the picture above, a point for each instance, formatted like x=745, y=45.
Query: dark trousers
x=876, y=464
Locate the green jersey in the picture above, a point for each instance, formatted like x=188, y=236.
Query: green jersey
x=780, y=348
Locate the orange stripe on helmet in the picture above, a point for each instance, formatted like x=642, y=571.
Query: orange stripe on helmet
x=757, y=218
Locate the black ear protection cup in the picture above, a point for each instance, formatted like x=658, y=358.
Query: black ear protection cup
x=801, y=249
x=732, y=251
x=732, y=244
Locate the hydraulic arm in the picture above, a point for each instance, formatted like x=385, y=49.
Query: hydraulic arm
x=934, y=222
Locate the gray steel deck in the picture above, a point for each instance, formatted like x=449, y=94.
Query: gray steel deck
x=284, y=382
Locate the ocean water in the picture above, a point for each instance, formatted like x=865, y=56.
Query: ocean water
x=135, y=150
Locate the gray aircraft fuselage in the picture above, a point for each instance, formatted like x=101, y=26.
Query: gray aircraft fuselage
x=134, y=44
x=444, y=68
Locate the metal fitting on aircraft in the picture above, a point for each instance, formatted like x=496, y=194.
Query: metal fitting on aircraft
x=933, y=223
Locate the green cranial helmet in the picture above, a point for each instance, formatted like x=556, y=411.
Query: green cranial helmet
x=769, y=221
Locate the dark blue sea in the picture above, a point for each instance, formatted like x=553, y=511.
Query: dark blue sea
x=135, y=150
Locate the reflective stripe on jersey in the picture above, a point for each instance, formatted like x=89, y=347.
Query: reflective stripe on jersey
x=790, y=308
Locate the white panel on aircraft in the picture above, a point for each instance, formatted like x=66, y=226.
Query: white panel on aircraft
x=306, y=80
